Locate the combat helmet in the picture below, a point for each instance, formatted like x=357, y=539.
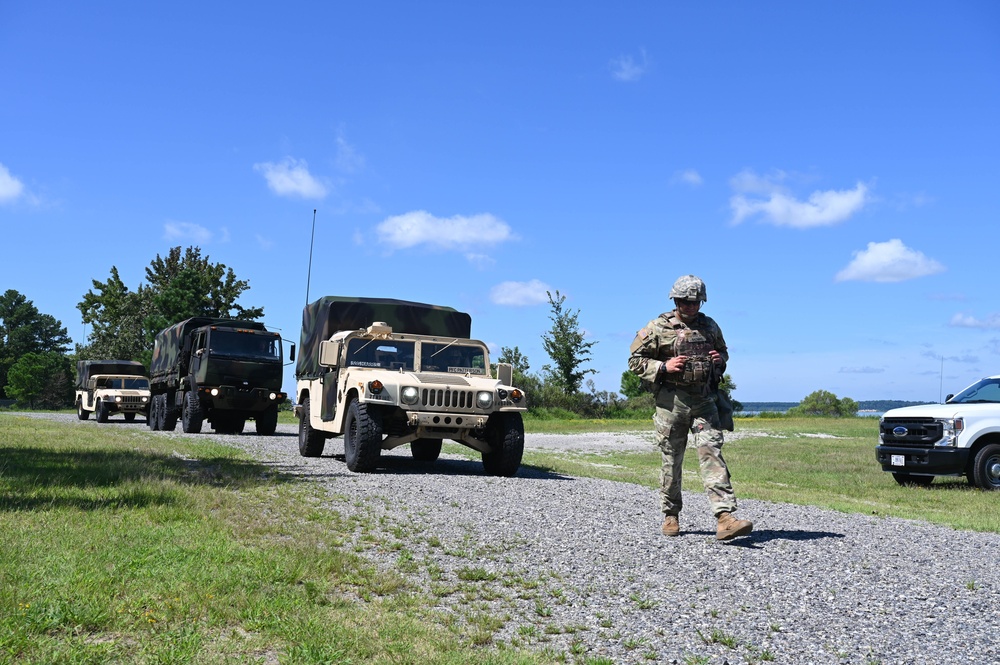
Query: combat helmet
x=688, y=287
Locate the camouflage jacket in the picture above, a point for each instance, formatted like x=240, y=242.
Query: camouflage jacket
x=667, y=336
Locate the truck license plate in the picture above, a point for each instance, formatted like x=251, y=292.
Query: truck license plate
x=898, y=460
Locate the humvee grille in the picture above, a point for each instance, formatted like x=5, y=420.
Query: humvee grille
x=131, y=400
x=449, y=399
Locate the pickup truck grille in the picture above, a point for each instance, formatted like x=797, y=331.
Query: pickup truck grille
x=447, y=399
x=911, y=431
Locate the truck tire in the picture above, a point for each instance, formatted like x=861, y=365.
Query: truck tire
x=505, y=434
x=267, y=421
x=362, y=437
x=101, y=412
x=81, y=413
x=425, y=450
x=192, y=417
x=985, y=471
x=906, y=480
x=168, y=414
x=311, y=441
x=153, y=415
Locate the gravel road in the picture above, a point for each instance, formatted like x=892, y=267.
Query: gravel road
x=579, y=567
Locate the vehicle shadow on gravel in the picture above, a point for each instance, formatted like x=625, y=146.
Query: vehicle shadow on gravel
x=405, y=465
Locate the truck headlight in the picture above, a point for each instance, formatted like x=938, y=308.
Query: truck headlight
x=484, y=399
x=144, y=399
x=951, y=430
x=118, y=398
x=409, y=395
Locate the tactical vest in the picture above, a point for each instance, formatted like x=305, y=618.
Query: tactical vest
x=699, y=368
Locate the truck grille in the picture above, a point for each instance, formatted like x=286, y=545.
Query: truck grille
x=913, y=432
x=131, y=400
x=447, y=399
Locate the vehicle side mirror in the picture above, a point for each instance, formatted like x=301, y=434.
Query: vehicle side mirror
x=505, y=373
x=329, y=353
x=291, y=353
x=948, y=398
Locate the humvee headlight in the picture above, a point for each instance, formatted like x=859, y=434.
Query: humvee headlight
x=145, y=399
x=215, y=392
x=516, y=395
x=273, y=396
x=484, y=399
x=409, y=395
x=375, y=387
x=118, y=398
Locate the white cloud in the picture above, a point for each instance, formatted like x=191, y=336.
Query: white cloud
x=765, y=196
x=968, y=321
x=624, y=68
x=291, y=177
x=890, y=261
x=480, y=261
x=186, y=231
x=518, y=294
x=459, y=232
x=10, y=187
x=689, y=177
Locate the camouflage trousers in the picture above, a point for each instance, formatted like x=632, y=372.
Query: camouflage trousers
x=679, y=412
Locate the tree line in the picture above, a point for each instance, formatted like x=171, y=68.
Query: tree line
x=36, y=366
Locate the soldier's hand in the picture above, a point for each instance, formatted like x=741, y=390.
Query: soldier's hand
x=676, y=364
x=715, y=356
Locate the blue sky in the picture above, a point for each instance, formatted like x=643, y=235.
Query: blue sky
x=830, y=169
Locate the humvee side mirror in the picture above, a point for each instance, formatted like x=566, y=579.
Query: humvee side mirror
x=329, y=353
x=505, y=373
x=291, y=353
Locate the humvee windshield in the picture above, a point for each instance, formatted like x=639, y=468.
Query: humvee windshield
x=244, y=345
x=124, y=383
x=385, y=354
x=455, y=358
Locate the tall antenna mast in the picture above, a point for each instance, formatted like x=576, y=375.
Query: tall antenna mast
x=312, y=237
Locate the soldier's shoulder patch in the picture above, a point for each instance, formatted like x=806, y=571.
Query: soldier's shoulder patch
x=643, y=333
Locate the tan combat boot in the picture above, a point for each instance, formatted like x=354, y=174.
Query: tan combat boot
x=730, y=527
x=670, y=526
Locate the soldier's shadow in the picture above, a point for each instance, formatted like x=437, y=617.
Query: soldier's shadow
x=759, y=537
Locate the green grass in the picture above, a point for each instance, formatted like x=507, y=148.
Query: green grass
x=828, y=462
x=121, y=546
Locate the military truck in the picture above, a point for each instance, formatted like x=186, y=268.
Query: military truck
x=220, y=370
x=385, y=373
x=107, y=387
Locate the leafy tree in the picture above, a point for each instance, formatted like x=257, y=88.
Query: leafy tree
x=631, y=385
x=116, y=317
x=566, y=347
x=727, y=386
x=180, y=286
x=23, y=330
x=41, y=380
x=825, y=403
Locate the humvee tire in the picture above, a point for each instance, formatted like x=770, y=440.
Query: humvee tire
x=505, y=434
x=362, y=437
x=311, y=441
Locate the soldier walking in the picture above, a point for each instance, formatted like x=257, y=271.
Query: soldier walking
x=681, y=355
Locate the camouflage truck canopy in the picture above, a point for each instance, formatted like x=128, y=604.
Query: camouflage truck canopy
x=88, y=368
x=330, y=314
x=169, y=344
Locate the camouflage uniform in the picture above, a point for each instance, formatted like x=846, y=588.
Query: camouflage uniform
x=685, y=402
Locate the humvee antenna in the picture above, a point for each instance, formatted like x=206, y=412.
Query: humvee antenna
x=311, y=238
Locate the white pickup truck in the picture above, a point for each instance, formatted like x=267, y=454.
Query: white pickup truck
x=958, y=438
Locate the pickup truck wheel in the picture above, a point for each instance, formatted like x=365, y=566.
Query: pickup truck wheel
x=505, y=434
x=311, y=441
x=425, y=450
x=129, y=417
x=101, y=411
x=906, y=480
x=986, y=467
x=362, y=437
x=192, y=417
x=81, y=413
x=267, y=421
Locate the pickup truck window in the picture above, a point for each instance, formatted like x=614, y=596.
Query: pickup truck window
x=985, y=391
